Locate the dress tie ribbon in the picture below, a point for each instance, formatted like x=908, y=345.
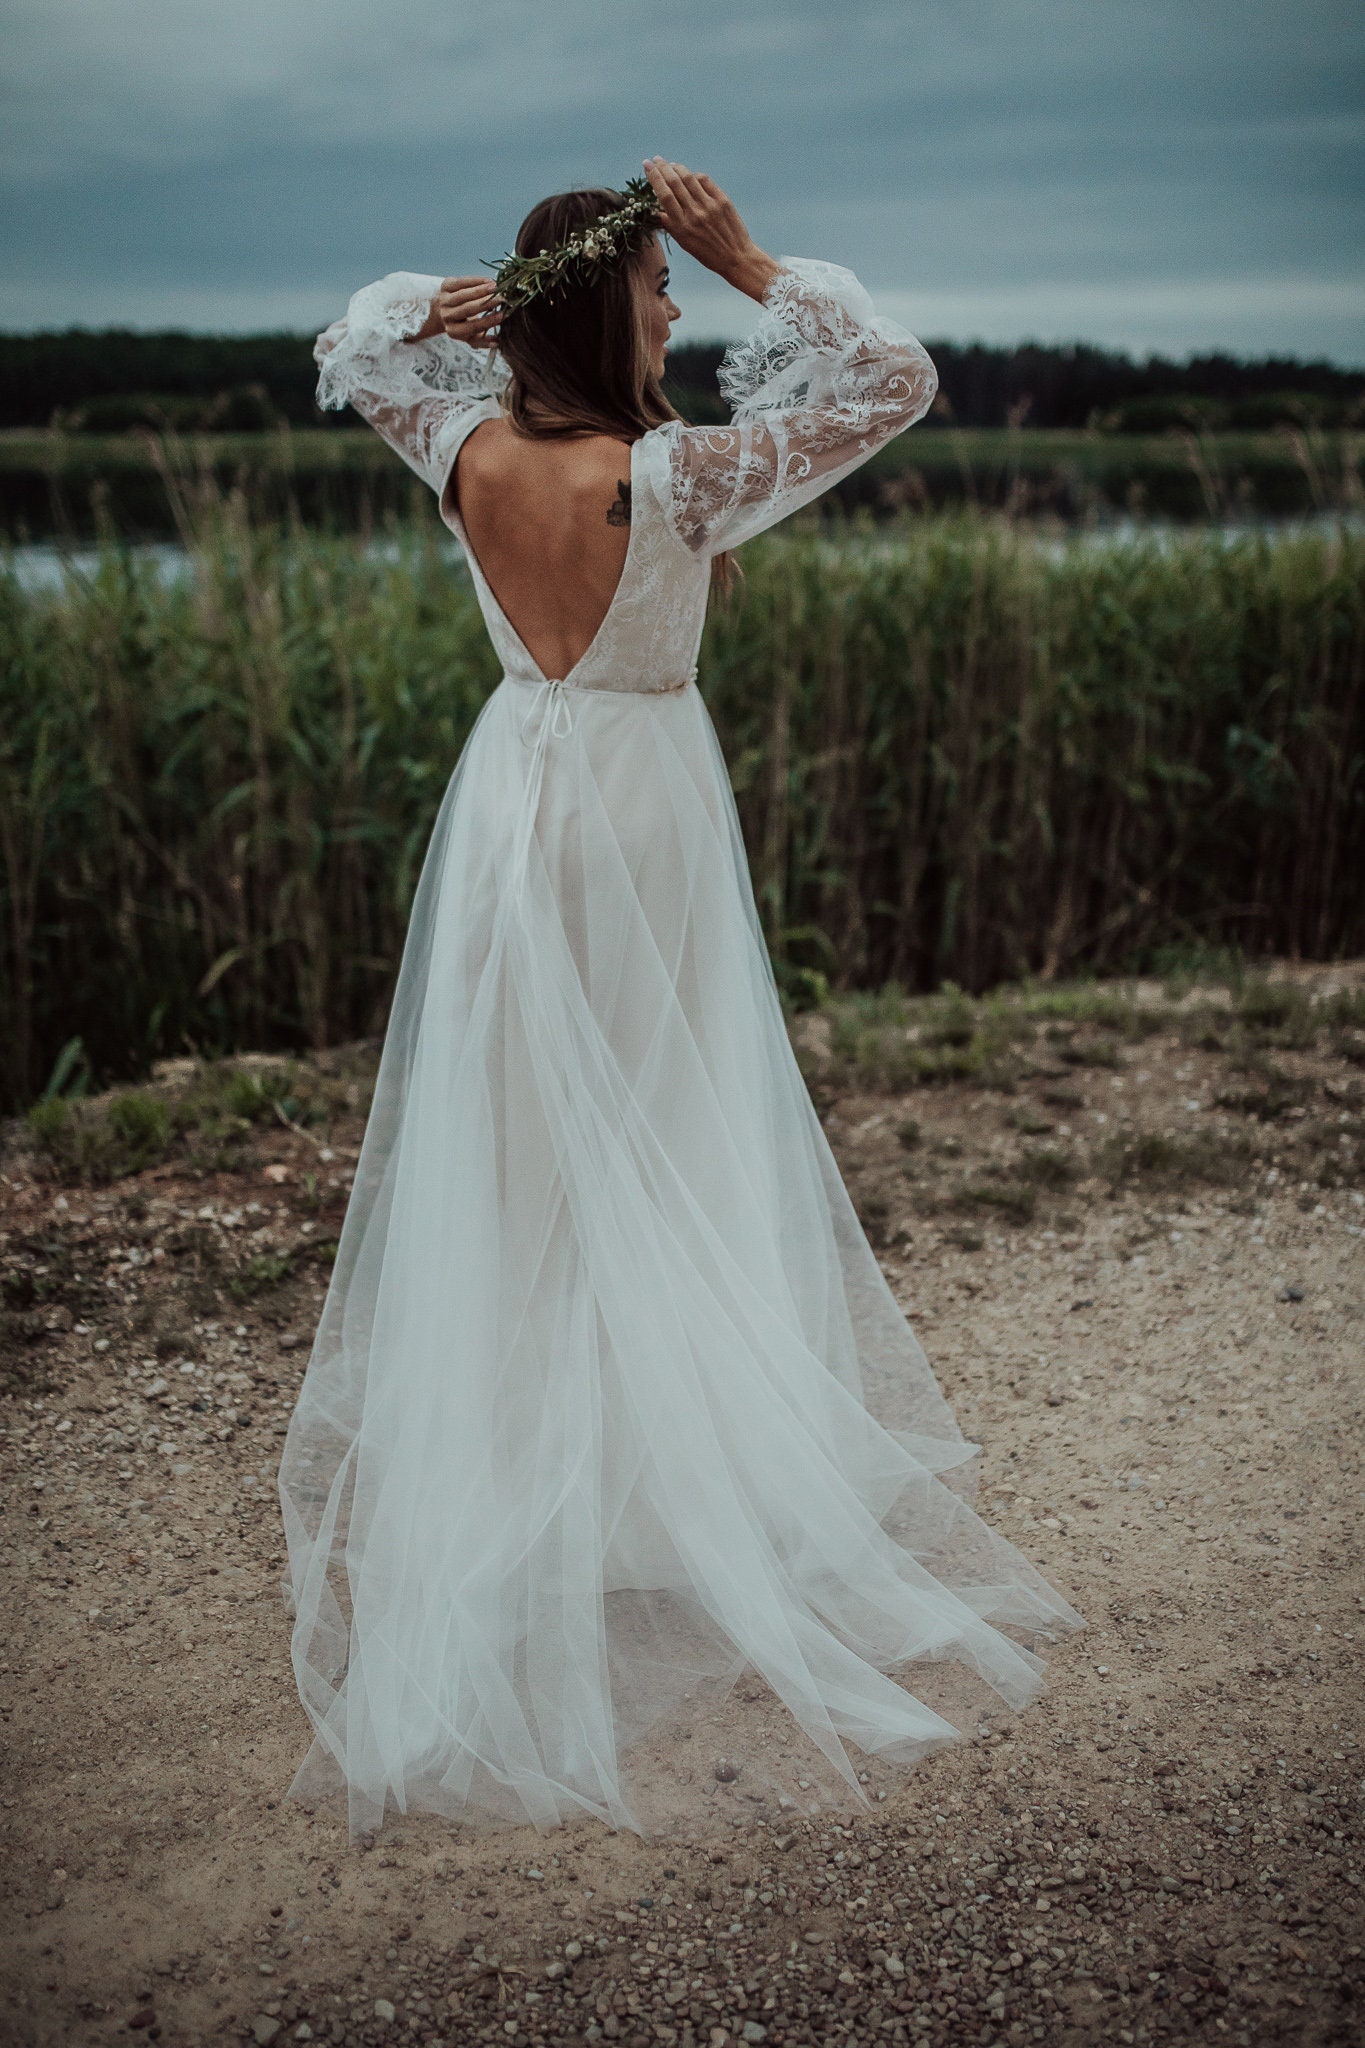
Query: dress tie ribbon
x=550, y=713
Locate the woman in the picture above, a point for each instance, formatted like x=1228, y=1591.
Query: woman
x=610, y=1402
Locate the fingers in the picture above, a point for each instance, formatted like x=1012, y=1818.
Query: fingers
x=685, y=196
x=663, y=177
x=467, y=292
x=671, y=177
x=470, y=309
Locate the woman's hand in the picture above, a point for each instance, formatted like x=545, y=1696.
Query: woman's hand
x=469, y=310
x=702, y=220
x=465, y=308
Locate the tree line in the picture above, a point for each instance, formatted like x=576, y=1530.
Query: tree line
x=110, y=380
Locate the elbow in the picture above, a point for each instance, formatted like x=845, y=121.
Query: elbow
x=930, y=374
x=921, y=378
x=906, y=381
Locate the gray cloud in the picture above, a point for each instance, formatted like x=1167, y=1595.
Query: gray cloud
x=1154, y=174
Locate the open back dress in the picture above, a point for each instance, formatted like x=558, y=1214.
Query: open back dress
x=610, y=1404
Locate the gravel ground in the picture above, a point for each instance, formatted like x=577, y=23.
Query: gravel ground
x=1163, y=1362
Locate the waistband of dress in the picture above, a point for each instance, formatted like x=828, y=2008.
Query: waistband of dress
x=604, y=689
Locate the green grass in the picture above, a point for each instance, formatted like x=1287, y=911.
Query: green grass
x=204, y=1126
x=258, y=1274
x=892, y=1040
x=1012, y=1201
x=1152, y=1156
x=1046, y=1166
x=960, y=758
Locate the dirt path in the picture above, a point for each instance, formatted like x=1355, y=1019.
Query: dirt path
x=1147, y=1304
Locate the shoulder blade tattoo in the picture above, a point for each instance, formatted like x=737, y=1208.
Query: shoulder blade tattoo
x=618, y=512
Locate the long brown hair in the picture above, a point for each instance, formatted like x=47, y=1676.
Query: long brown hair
x=578, y=356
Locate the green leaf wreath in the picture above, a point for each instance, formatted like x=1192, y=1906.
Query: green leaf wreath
x=597, y=244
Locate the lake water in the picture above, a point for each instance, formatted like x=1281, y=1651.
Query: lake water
x=45, y=566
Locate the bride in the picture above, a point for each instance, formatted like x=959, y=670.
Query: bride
x=610, y=1403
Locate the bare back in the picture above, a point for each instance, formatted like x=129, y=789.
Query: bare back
x=549, y=524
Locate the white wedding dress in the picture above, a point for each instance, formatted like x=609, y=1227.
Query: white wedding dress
x=610, y=1402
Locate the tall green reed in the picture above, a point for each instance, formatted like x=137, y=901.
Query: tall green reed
x=958, y=753
x=965, y=753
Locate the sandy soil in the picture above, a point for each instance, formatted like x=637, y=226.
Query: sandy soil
x=1167, y=1380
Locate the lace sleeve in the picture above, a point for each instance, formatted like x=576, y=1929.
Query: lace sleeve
x=821, y=384
x=412, y=392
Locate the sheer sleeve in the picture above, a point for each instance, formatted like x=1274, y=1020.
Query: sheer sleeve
x=417, y=394
x=822, y=383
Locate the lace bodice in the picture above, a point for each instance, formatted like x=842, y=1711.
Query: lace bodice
x=818, y=387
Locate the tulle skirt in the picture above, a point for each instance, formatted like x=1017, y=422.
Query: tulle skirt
x=610, y=1405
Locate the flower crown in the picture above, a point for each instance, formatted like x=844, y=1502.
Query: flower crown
x=593, y=247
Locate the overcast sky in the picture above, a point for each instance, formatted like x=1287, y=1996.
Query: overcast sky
x=1155, y=174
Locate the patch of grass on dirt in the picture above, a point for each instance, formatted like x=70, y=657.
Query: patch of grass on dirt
x=84, y=1142
x=1046, y=1166
x=894, y=1042
x=205, y=1123
x=889, y=1041
x=1089, y=1052
x=1182, y=968
x=1345, y=1007
x=1221, y=1160
x=1093, y=1009
x=265, y=1270
x=39, y=1271
x=1279, y=1013
x=1267, y=1096
x=1206, y=1027
x=1015, y=1201
x=1027, y=1120
x=1341, y=1155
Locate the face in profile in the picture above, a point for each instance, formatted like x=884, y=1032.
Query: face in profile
x=659, y=310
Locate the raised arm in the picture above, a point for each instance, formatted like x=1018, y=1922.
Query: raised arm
x=395, y=359
x=822, y=383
